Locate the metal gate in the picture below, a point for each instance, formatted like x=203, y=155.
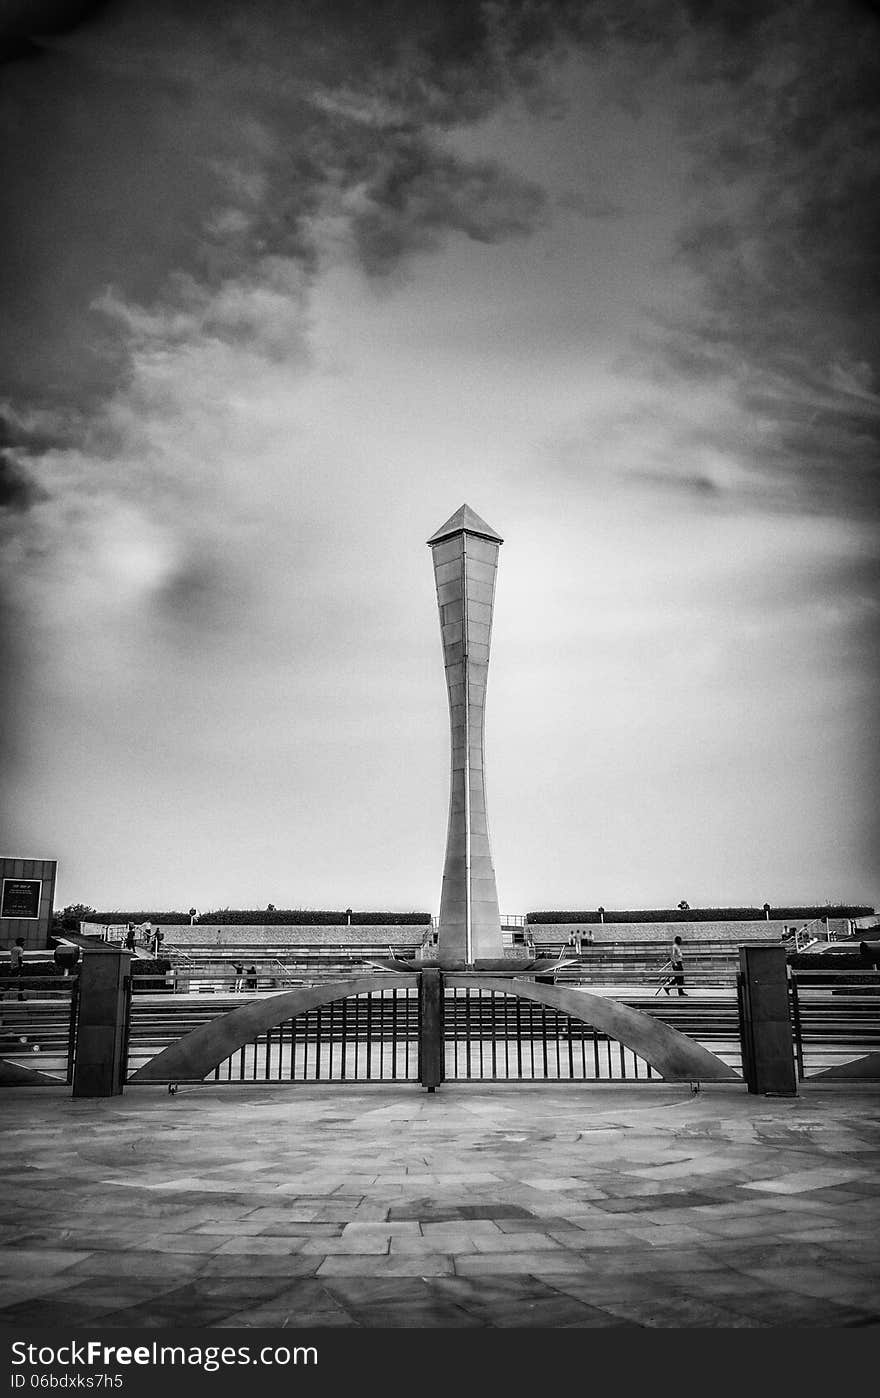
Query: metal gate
x=368, y=1037
x=37, y=1030
x=495, y=1036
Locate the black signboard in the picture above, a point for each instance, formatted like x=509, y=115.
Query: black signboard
x=21, y=898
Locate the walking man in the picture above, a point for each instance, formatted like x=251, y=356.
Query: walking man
x=676, y=961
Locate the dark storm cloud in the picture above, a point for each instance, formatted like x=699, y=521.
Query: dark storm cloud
x=413, y=197
x=18, y=491
x=166, y=156
x=784, y=241
x=156, y=146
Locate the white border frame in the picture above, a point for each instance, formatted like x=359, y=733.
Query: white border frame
x=21, y=917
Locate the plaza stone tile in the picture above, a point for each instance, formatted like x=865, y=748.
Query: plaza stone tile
x=659, y=1235
x=786, y=1308
x=661, y=1312
x=241, y=1228
x=487, y=1264
x=471, y=1172
x=519, y=1242
x=288, y=1317
x=255, y=1246
x=394, y=1265
x=361, y=1243
x=264, y=1265
x=423, y=1310
x=456, y=1244
x=800, y=1180
x=274, y=1214
x=38, y=1262
x=511, y=1302
x=74, y=1314
x=177, y=1242
x=374, y=1228
x=17, y=1289
x=820, y=1282
x=142, y=1264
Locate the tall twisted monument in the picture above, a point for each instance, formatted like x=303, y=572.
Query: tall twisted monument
x=465, y=553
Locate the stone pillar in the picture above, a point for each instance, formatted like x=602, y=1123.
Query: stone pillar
x=465, y=554
x=767, y=1040
x=431, y=1052
x=99, y=1067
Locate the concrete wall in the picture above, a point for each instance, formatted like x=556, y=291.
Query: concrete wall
x=662, y=933
x=35, y=931
x=213, y=935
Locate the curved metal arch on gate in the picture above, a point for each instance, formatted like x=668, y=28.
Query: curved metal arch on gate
x=675, y=1056
x=198, y=1053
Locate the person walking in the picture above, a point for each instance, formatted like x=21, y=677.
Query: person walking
x=676, y=961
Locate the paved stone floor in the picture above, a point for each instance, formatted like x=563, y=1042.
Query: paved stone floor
x=384, y=1206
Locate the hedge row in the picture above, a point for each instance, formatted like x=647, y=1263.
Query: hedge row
x=305, y=917
x=855, y=960
x=140, y=966
x=698, y=914
x=115, y=919
x=257, y=917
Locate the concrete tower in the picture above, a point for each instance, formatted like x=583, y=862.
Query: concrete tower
x=465, y=552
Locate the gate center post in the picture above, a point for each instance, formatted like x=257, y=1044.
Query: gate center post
x=431, y=1028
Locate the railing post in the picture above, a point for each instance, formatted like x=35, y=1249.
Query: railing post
x=765, y=1022
x=99, y=1062
x=430, y=1028
x=796, y=1024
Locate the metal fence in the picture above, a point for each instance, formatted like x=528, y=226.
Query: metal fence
x=363, y=1038
x=38, y=1024
x=495, y=1036
x=487, y=1035
x=835, y=1023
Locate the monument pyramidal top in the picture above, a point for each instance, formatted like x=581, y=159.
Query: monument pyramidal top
x=465, y=521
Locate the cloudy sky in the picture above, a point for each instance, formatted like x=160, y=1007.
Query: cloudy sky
x=285, y=284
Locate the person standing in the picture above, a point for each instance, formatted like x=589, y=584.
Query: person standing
x=238, y=968
x=676, y=961
x=16, y=963
x=251, y=982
